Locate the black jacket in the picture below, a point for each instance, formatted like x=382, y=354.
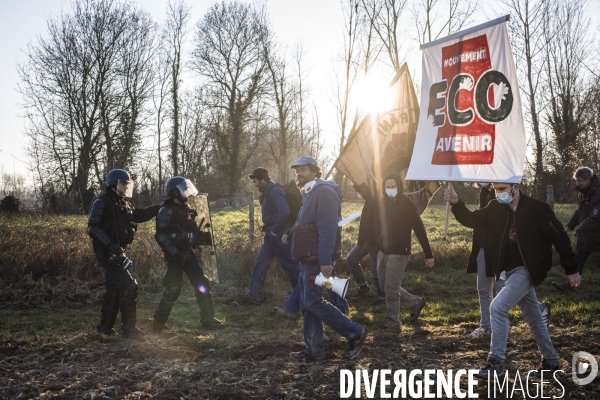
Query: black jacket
x=537, y=230
x=366, y=227
x=485, y=196
x=587, y=217
x=395, y=219
x=173, y=224
x=112, y=221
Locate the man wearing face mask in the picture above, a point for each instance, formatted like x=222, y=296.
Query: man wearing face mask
x=111, y=225
x=587, y=220
x=486, y=282
x=520, y=233
x=177, y=233
x=395, y=219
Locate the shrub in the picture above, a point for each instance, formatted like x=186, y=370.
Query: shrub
x=10, y=204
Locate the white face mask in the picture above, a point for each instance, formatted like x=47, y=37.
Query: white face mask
x=391, y=192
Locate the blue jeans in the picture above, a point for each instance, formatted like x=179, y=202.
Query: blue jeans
x=518, y=289
x=271, y=248
x=353, y=259
x=485, y=288
x=316, y=311
x=292, y=304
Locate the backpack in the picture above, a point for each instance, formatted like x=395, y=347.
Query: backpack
x=293, y=198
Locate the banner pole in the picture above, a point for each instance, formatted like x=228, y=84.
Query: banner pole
x=447, y=213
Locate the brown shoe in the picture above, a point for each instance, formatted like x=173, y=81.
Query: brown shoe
x=285, y=313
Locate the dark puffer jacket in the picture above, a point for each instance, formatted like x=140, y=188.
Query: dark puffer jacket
x=485, y=196
x=537, y=231
x=587, y=217
x=395, y=219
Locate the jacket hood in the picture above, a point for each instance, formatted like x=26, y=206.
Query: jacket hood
x=332, y=184
x=395, y=176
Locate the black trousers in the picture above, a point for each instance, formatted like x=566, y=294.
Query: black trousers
x=172, y=284
x=120, y=295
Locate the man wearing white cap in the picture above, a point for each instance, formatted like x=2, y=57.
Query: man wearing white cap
x=321, y=209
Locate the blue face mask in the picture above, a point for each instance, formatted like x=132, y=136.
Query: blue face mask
x=506, y=198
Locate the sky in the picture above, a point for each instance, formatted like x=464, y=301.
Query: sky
x=318, y=24
x=21, y=21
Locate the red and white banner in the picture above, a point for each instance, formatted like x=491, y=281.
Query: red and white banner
x=471, y=121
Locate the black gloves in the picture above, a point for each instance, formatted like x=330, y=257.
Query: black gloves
x=115, y=249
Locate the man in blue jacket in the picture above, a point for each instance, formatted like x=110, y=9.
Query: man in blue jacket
x=322, y=206
x=276, y=220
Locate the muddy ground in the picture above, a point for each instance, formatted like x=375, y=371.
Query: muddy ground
x=248, y=360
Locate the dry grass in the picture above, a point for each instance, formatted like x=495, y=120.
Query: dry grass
x=51, y=296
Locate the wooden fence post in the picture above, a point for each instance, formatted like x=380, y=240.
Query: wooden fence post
x=550, y=195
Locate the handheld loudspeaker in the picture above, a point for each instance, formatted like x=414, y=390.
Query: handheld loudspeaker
x=337, y=285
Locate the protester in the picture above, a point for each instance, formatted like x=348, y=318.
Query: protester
x=395, y=218
x=177, y=233
x=111, y=225
x=277, y=218
x=364, y=248
x=322, y=210
x=587, y=220
x=520, y=233
x=486, y=282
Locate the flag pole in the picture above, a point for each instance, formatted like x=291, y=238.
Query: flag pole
x=447, y=212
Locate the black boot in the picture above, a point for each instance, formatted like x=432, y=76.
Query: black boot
x=212, y=324
x=207, y=311
x=158, y=326
x=128, y=307
x=167, y=300
x=108, y=313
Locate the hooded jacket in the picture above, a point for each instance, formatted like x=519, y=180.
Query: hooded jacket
x=323, y=206
x=537, y=231
x=587, y=217
x=395, y=219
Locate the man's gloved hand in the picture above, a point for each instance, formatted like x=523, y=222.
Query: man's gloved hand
x=115, y=249
x=181, y=257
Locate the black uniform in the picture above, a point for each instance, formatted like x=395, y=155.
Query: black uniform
x=112, y=226
x=174, y=223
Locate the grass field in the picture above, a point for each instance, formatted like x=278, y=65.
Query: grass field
x=50, y=289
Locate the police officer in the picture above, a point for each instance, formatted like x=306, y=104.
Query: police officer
x=177, y=233
x=111, y=225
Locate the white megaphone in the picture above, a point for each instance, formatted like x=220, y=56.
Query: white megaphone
x=337, y=285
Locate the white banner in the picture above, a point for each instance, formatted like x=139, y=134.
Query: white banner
x=471, y=121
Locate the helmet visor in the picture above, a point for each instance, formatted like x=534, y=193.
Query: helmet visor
x=125, y=188
x=187, y=188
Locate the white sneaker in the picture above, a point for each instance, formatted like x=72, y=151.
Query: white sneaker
x=479, y=332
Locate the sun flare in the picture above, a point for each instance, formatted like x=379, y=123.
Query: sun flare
x=373, y=94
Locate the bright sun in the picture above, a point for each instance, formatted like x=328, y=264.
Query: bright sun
x=373, y=94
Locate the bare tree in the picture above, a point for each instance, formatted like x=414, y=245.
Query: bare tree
x=434, y=18
x=174, y=34
x=228, y=54
x=529, y=20
x=565, y=54
x=84, y=88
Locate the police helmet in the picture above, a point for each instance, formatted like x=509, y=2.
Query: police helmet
x=179, y=184
x=117, y=175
